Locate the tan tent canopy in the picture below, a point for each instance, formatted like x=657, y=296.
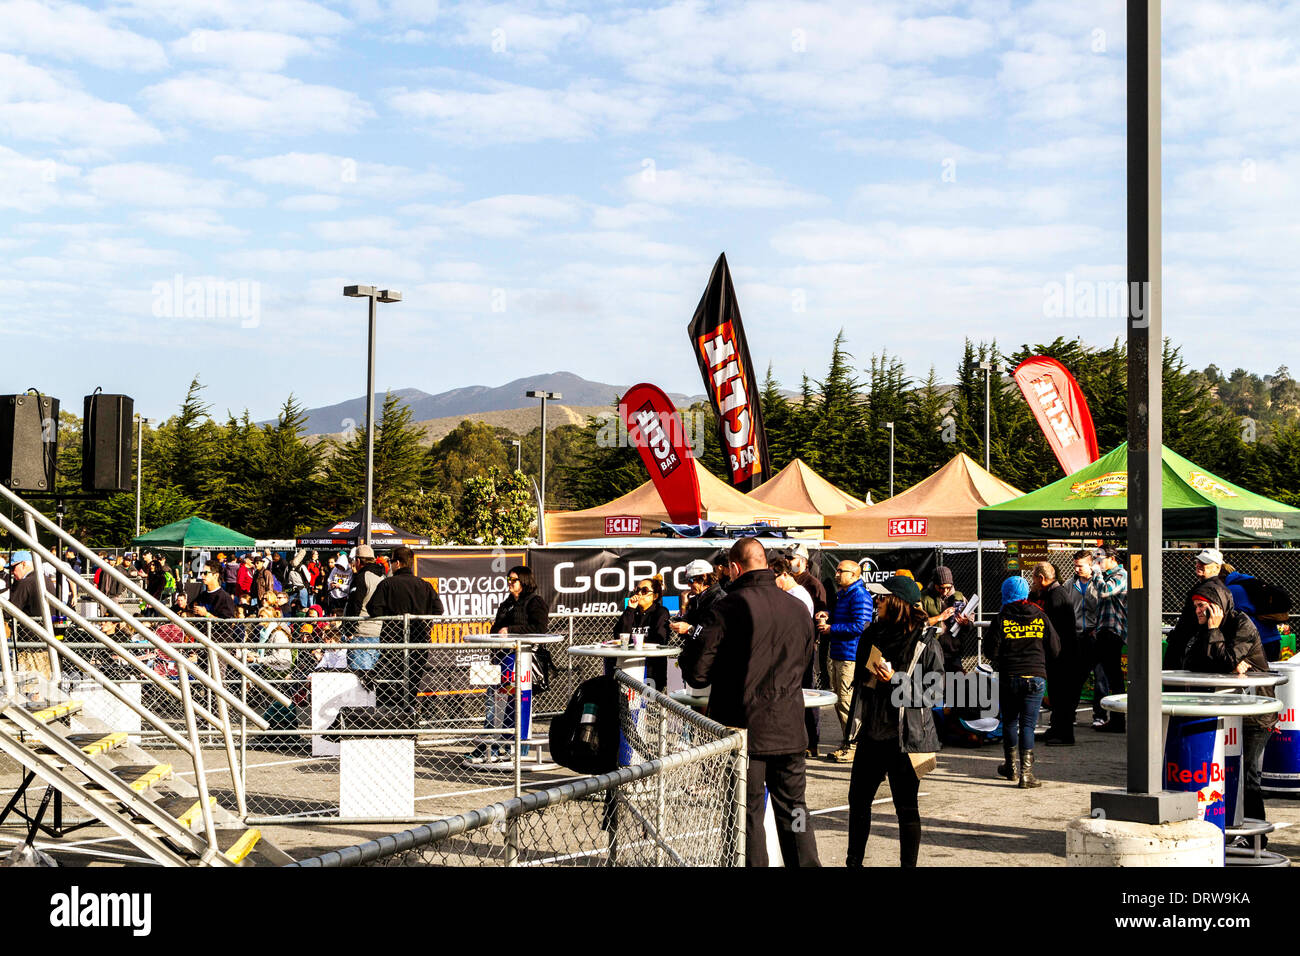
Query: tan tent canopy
x=719, y=502
x=799, y=488
x=939, y=508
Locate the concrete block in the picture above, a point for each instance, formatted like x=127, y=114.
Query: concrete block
x=1094, y=841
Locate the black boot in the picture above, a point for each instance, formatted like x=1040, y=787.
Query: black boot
x=1010, y=767
x=1027, y=779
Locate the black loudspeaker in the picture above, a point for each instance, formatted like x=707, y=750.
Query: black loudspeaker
x=106, y=443
x=29, y=441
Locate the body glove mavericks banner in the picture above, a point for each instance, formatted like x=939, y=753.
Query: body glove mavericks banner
x=718, y=339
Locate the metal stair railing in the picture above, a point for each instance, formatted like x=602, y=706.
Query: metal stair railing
x=136, y=804
x=186, y=671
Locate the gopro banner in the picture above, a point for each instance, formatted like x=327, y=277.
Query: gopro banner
x=718, y=339
x=654, y=426
x=1060, y=409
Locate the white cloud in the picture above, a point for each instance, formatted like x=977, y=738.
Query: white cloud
x=506, y=30
x=191, y=224
x=119, y=251
x=267, y=103
x=634, y=245
x=69, y=31
x=954, y=200
x=36, y=104
x=28, y=184
x=510, y=113
x=830, y=240
x=498, y=217
x=930, y=148
x=711, y=179
x=310, y=203
x=255, y=50
x=628, y=216
x=347, y=263
x=153, y=184
x=1088, y=151
x=340, y=175
x=378, y=230
x=286, y=16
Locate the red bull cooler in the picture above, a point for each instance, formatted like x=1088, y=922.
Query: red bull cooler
x=1281, y=771
x=1194, y=762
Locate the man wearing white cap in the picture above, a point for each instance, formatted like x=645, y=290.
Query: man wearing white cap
x=704, y=591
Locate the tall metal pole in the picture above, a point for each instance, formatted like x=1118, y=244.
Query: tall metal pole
x=988, y=392
x=370, y=428
x=1144, y=800
x=139, y=459
x=1145, y=420
x=541, y=518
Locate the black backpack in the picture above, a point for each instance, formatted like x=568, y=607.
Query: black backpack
x=590, y=746
x=1271, y=602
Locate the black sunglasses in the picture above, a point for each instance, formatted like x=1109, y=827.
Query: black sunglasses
x=512, y=580
x=645, y=591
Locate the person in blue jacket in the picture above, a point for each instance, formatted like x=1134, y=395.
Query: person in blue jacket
x=848, y=619
x=1269, y=635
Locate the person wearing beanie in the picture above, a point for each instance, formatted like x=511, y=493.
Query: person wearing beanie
x=894, y=725
x=939, y=600
x=1021, y=642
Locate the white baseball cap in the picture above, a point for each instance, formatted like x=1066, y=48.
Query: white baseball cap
x=797, y=551
x=697, y=568
x=1210, y=556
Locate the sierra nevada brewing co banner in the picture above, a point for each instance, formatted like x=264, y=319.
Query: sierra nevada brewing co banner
x=654, y=426
x=718, y=339
x=1061, y=410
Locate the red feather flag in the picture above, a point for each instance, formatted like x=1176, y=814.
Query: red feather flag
x=1062, y=412
x=654, y=426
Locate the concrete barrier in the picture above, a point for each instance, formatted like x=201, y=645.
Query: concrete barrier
x=1095, y=841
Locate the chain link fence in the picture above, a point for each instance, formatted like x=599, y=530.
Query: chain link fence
x=411, y=725
x=679, y=802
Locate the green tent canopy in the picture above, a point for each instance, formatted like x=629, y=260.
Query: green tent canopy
x=192, y=533
x=1093, y=503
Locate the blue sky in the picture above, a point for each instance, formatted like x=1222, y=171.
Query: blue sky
x=549, y=183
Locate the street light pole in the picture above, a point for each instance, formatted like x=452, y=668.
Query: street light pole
x=383, y=295
x=519, y=455
x=890, y=426
x=987, y=366
x=541, y=517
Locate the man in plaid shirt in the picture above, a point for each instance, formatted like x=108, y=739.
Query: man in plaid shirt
x=1111, y=589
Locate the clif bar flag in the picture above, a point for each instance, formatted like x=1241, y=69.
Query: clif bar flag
x=718, y=339
x=1062, y=413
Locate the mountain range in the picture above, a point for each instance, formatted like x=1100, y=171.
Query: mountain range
x=576, y=391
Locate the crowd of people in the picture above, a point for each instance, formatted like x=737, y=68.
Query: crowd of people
x=757, y=628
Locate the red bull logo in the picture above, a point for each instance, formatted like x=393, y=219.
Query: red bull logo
x=1206, y=773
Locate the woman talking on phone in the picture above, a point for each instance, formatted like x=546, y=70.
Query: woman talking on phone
x=646, y=616
x=892, y=735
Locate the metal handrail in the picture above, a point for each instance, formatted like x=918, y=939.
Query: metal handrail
x=123, y=616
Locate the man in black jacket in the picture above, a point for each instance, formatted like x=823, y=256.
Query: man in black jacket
x=404, y=593
x=754, y=650
x=1064, y=607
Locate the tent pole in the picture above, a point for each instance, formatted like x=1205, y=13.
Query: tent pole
x=979, y=589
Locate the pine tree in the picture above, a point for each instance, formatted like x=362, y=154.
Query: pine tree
x=399, y=462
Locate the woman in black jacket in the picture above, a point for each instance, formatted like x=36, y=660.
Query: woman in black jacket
x=646, y=615
x=524, y=611
x=891, y=733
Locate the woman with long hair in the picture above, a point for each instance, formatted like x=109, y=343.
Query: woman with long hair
x=524, y=611
x=890, y=733
x=646, y=616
